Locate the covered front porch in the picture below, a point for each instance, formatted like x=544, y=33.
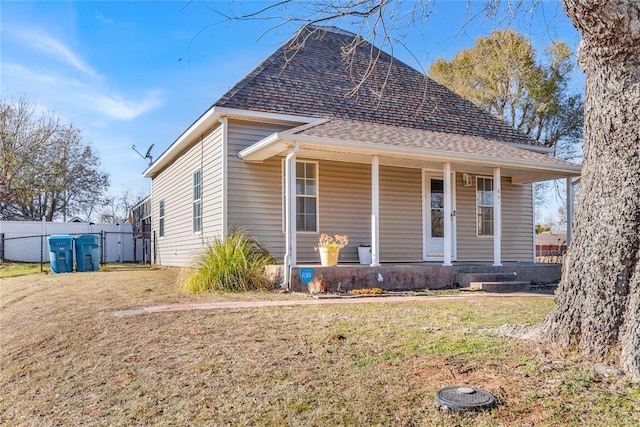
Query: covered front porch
x=446, y=164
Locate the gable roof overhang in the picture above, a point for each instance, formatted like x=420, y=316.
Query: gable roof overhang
x=208, y=121
x=356, y=142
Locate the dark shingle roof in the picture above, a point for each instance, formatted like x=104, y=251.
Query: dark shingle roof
x=379, y=134
x=315, y=80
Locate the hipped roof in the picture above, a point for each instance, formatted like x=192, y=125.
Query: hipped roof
x=308, y=80
x=310, y=76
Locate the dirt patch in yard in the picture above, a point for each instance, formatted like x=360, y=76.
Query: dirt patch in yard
x=66, y=359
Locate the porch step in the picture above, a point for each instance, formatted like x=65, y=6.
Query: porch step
x=465, y=279
x=506, y=286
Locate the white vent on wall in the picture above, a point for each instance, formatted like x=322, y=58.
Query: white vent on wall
x=467, y=180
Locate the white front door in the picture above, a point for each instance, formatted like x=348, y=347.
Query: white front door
x=434, y=217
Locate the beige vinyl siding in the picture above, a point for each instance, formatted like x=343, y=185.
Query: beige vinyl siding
x=344, y=197
x=344, y=206
x=400, y=214
x=255, y=189
x=517, y=219
x=174, y=185
x=517, y=222
x=255, y=202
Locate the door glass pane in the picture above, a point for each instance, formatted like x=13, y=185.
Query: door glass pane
x=437, y=201
x=437, y=223
x=437, y=186
x=437, y=194
x=437, y=208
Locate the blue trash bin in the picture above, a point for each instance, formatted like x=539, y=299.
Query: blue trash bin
x=87, y=253
x=61, y=253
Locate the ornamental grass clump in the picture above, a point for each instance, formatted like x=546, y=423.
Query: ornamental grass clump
x=235, y=264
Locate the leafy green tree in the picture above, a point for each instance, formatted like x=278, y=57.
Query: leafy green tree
x=47, y=171
x=500, y=74
x=542, y=228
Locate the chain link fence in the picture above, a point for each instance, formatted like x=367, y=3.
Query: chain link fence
x=114, y=247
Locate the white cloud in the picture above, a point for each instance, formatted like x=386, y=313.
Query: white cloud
x=24, y=73
x=38, y=40
x=116, y=107
x=101, y=17
x=78, y=94
x=79, y=97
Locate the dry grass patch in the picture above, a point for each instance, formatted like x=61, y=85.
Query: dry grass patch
x=66, y=359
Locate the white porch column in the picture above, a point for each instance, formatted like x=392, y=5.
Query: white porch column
x=569, y=196
x=291, y=256
x=375, y=211
x=448, y=225
x=497, y=218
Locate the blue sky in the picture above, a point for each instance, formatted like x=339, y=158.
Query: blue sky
x=141, y=72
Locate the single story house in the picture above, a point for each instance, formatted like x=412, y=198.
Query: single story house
x=314, y=142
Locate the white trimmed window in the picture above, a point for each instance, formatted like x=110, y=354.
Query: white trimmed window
x=484, y=206
x=197, y=201
x=161, y=218
x=307, y=196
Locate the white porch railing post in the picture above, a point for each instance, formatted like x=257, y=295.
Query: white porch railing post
x=497, y=218
x=448, y=224
x=375, y=211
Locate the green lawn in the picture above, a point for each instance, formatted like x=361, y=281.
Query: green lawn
x=20, y=269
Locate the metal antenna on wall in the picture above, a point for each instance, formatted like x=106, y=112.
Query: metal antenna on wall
x=147, y=155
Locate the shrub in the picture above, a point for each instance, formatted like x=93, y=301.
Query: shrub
x=235, y=264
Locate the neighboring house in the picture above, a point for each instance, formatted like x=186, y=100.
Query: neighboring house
x=140, y=218
x=398, y=162
x=551, y=243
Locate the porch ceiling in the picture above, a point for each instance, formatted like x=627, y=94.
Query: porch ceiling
x=356, y=142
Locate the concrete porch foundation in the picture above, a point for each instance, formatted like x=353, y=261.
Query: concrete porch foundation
x=345, y=277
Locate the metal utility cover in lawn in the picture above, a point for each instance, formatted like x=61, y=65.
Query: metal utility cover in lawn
x=461, y=398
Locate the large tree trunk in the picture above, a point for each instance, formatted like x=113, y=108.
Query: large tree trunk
x=598, y=300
